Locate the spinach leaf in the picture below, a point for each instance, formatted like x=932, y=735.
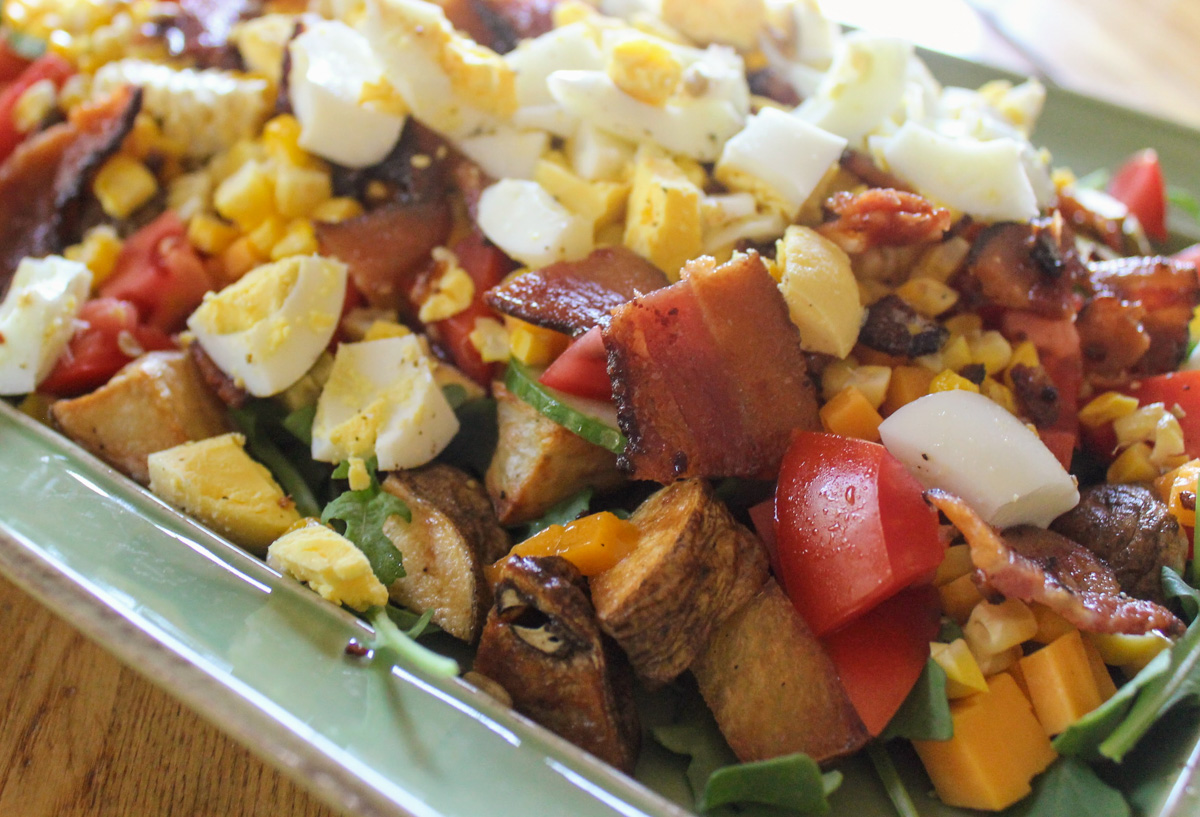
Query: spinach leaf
x=925, y=713
x=791, y=781
x=364, y=513
x=1070, y=786
x=473, y=445
x=565, y=512
x=1188, y=597
x=892, y=784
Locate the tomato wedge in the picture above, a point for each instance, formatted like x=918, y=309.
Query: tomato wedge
x=582, y=368
x=1138, y=184
x=879, y=656
x=852, y=528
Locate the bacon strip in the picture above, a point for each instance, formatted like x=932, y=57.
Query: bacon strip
x=574, y=296
x=1030, y=266
x=708, y=375
x=883, y=217
x=1032, y=564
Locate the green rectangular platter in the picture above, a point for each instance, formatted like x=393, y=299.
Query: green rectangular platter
x=263, y=658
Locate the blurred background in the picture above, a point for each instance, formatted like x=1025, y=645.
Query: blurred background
x=1144, y=54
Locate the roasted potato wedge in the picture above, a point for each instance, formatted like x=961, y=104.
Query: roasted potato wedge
x=772, y=688
x=539, y=463
x=543, y=645
x=452, y=536
x=156, y=402
x=693, y=566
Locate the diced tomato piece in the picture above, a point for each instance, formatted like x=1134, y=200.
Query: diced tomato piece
x=109, y=337
x=12, y=63
x=582, y=368
x=1139, y=185
x=487, y=267
x=159, y=271
x=852, y=528
x=1175, y=389
x=48, y=66
x=1058, y=347
x=879, y=656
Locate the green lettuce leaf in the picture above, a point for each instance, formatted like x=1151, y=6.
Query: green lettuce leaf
x=925, y=713
x=363, y=514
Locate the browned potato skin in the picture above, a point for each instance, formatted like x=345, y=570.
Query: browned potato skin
x=539, y=463
x=693, y=566
x=772, y=688
x=453, y=535
x=156, y=402
x=576, y=683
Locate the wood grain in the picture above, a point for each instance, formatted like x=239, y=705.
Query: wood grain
x=83, y=736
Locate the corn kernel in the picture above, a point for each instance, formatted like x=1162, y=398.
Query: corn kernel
x=960, y=597
x=956, y=353
x=1133, y=465
x=122, y=185
x=957, y=562
x=247, y=197
x=490, y=338
x=941, y=261
x=298, y=239
x=950, y=381
x=1179, y=490
x=534, y=345
x=98, y=252
x=336, y=209
x=1025, y=354
x=1051, y=625
x=239, y=258
x=1139, y=426
x=967, y=324
x=645, y=69
x=963, y=676
x=267, y=234
x=210, y=234
x=281, y=139
x=990, y=349
x=929, y=297
x=298, y=190
x=381, y=329
x=999, y=394
x=34, y=105
x=872, y=381
x=1106, y=408
x=453, y=291
x=994, y=628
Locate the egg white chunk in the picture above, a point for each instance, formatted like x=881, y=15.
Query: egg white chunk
x=597, y=155
x=331, y=63
x=267, y=329
x=382, y=398
x=987, y=180
x=571, y=47
x=966, y=444
x=780, y=157
x=37, y=319
x=863, y=86
x=506, y=153
x=525, y=221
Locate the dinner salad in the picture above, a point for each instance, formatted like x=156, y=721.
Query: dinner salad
x=642, y=345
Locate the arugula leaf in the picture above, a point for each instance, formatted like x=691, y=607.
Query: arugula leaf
x=925, y=713
x=364, y=513
x=564, y=512
x=1174, y=587
x=881, y=759
x=1070, y=786
x=1183, y=200
x=1114, y=728
x=252, y=421
x=472, y=447
x=300, y=422
x=414, y=625
x=388, y=635
x=792, y=781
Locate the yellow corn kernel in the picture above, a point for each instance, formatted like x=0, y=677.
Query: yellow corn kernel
x=1178, y=489
x=534, y=345
x=571, y=11
x=872, y=381
x=490, y=338
x=593, y=544
x=1107, y=407
x=990, y=349
x=34, y=105
x=950, y=381
x=999, y=394
x=281, y=139
x=1139, y=426
x=967, y=324
x=963, y=676
x=956, y=563
x=645, y=69
x=851, y=414
x=1133, y=465
x=382, y=329
x=929, y=297
x=267, y=234
x=239, y=258
x=210, y=234
x=959, y=597
x=336, y=209
x=1051, y=625
x=1025, y=354
x=956, y=353
x=247, y=197
x=998, y=662
x=941, y=261
x=98, y=252
x=1168, y=451
x=298, y=239
x=995, y=628
x=453, y=291
x=122, y=185
x=299, y=190
x=1128, y=651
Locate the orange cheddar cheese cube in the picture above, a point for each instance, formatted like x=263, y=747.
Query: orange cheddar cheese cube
x=1061, y=685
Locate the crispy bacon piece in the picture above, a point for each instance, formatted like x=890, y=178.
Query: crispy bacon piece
x=863, y=166
x=227, y=391
x=387, y=248
x=42, y=184
x=1032, y=266
x=772, y=84
x=1105, y=229
x=895, y=328
x=1036, y=394
x=883, y=217
x=1112, y=338
x=1166, y=290
x=502, y=24
x=1032, y=564
x=574, y=296
x=402, y=177
x=708, y=374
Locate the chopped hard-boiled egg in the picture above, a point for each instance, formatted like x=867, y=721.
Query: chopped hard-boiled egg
x=821, y=292
x=968, y=445
x=862, y=88
x=330, y=564
x=570, y=47
x=732, y=22
x=780, y=158
x=267, y=329
x=597, y=155
x=525, y=221
x=506, y=153
x=664, y=220
x=37, y=319
x=331, y=64
x=382, y=398
x=456, y=86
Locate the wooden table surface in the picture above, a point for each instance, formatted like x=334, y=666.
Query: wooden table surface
x=83, y=736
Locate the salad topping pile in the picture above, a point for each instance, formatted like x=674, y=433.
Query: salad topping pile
x=688, y=344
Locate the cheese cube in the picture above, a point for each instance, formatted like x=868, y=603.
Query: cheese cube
x=1060, y=681
x=663, y=222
